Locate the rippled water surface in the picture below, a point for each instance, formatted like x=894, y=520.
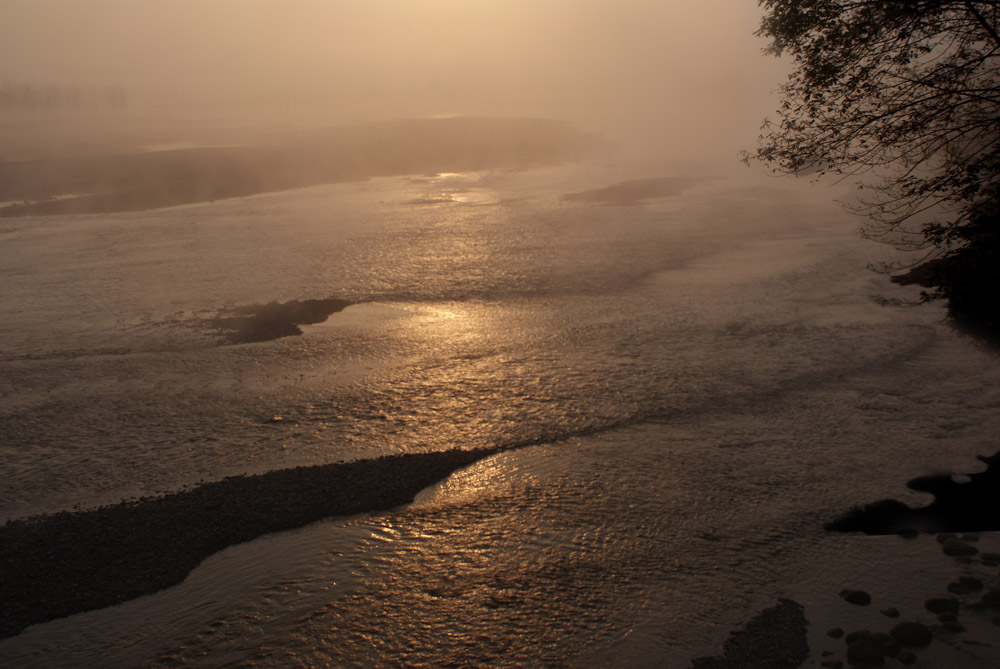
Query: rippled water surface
x=699, y=382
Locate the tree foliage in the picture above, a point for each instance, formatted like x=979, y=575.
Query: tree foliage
x=905, y=95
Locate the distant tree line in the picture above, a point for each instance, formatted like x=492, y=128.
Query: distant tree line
x=33, y=96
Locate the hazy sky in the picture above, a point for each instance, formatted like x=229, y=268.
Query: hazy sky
x=680, y=73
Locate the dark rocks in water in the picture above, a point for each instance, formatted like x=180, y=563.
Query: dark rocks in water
x=835, y=633
x=957, y=507
x=890, y=612
x=939, y=605
x=965, y=585
x=953, y=626
x=906, y=657
x=264, y=322
x=57, y=565
x=865, y=651
x=954, y=547
x=774, y=639
x=911, y=635
x=991, y=599
x=856, y=597
x=992, y=559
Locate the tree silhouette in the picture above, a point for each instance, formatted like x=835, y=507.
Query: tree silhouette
x=904, y=94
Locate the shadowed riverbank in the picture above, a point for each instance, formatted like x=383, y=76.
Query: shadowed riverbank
x=58, y=565
x=971, y=506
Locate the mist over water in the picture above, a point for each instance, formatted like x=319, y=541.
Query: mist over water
x=512, y=224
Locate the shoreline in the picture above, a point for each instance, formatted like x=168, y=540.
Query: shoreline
x=57, y=565
x=140, y=181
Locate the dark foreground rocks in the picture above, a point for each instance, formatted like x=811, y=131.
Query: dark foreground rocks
x=57, y=565
x=774, y=639
x=973, y=506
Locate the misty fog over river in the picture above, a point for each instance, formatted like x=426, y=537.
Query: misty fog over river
x=238, y=238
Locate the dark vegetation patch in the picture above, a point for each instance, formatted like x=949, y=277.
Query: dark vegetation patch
x=967, y=274
x=57, y=565
x=264, y=322
x=973, y=506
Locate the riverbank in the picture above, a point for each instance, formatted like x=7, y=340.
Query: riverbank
x=57, y=565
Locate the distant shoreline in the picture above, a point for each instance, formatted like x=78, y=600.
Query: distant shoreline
x=142, y=180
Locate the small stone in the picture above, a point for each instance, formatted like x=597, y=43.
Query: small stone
x=857, y=597
x=911, y=635
x=890, y=646
x=991, y=559
x=275, y=419
x=891, y=612
x=906, y=657
x=965, y=585
x=955, y=547
x=867, y=652
x=854, y=636
x=940, y=605
x=992, y=598
x=835, y=633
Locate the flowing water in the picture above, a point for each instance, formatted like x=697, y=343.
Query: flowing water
x=698, y=382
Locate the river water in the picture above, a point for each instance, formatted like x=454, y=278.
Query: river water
x=697, y=381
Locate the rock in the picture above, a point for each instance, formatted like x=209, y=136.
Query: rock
x=965, y=585
x=866, y=651
x=955, y=547
x=943, y=537
x=911, y=635
x=906, y=657
x=890, y=646
x=857, y=597
x=854, y=636
x=835, y=632
x=969, y=536
x=274, y=419
x=991, y=559
x=891, y=612
x=947, y=617
x=941, y=605
x=992, y=598
x=954, y=626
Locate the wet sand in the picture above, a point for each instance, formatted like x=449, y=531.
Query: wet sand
x=57, y=565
